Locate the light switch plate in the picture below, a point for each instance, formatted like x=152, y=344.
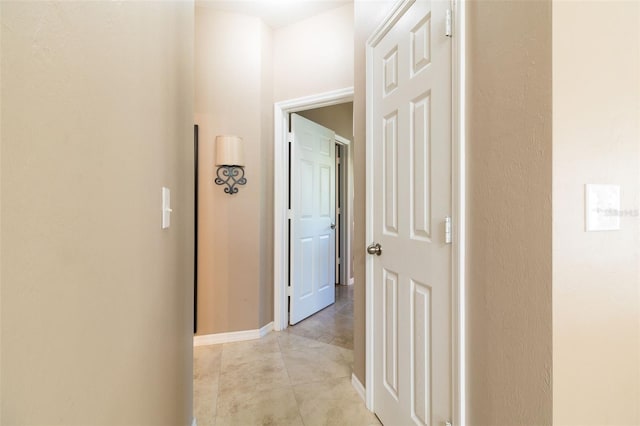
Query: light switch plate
x=602, y=205
x=166, y=207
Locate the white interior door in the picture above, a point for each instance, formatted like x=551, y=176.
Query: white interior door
x=313, y=201
x=411, y=131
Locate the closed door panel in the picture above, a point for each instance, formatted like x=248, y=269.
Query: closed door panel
x=411, y=113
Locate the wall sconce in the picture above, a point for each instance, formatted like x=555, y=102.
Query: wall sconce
x=230, y=163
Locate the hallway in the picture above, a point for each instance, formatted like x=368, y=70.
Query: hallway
x=301, y=376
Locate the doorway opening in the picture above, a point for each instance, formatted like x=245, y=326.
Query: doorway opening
x=282, y=212
x=321, y=302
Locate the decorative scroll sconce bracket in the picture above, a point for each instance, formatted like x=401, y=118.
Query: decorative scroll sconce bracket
x=230, y=176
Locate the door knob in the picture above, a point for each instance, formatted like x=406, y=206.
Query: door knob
x=333, y=226
x=375, y=248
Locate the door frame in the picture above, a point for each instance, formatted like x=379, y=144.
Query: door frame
x=281, y=192
x=346, y=195
x=458, y=188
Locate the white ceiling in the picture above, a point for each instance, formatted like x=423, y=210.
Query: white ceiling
x=275, y=13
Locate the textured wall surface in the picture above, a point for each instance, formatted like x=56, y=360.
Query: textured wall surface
x=230, y=96
x=314, y=55
x=97, y=302
x=338, y=118
x=509, y=218
x=0, y=214
x=266, y=180
x=596, y=280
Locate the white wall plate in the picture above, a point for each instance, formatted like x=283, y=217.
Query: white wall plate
x=166, y=208
x=602, y=207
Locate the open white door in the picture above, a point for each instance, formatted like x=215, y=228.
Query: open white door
x=410, y=126
x=313, y=199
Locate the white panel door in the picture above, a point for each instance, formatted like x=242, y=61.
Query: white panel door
x=313, y=192
x=411, y=113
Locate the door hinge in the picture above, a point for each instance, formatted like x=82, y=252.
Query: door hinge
x=339, y=261
x=290, y=137
x=448, y=31
x=290, y=214
x=447, y=230
x=289, y=291
x=338, y=210
x=338, y=160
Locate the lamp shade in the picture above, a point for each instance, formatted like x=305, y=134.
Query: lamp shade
x=229, y=151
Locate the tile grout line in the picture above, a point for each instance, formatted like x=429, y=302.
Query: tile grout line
x=215, y=419
x=293, y=391
x=338, y=352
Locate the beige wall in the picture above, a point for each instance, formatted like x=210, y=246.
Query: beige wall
x=368, y=15
x=509, y=217
x=266, y=180
x=314, y=55
x=0, y=213
x=232, y=91
x=338, y=118
x=97, y=102
x=596, y=280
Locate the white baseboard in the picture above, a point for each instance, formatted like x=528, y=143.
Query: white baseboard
x=194, y=422
x=266, y=329
x=358, y=387
x=234, y=336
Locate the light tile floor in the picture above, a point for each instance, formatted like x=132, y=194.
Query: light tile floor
x=334, y=324
x=298, y=377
